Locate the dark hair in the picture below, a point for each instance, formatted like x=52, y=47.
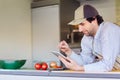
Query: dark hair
x=98, y=17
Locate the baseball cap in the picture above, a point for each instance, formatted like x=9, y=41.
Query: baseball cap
x=82, y=13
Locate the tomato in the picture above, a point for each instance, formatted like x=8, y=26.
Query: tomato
x=44, y=66
x=38, y=66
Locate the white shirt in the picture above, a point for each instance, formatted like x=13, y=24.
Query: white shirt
x=106, y=43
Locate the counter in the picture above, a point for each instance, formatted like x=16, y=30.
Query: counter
x=58, y=75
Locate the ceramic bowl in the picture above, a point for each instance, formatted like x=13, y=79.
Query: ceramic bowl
x=12, y=64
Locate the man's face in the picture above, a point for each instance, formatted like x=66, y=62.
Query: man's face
x=87, y=28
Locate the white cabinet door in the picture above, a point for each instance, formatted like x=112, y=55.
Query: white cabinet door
x=46, y=32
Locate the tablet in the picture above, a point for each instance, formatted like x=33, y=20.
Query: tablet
x=60, y=54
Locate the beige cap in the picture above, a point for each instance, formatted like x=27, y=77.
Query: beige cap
x=82, y=13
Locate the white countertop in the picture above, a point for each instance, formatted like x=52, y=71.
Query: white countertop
x=66, y=73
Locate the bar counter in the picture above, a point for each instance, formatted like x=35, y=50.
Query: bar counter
x=58, y=75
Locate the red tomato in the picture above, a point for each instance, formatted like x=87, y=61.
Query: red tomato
x=37, y=66
x=44, y=66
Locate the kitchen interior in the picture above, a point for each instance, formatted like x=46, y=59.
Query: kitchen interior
x=31, y=29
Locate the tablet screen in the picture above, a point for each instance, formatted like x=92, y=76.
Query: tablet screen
x=59, y=54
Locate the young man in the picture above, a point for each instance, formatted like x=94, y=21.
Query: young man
x=100, y=43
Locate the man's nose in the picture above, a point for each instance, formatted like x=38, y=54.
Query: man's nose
x=80, y=29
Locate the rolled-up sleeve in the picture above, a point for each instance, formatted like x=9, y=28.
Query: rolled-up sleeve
x=86, y=55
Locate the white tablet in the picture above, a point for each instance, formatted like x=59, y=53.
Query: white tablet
x=60, y=54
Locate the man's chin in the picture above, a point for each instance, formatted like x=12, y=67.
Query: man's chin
x=87, y=34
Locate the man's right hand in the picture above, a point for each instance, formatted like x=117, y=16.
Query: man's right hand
x=64, y=47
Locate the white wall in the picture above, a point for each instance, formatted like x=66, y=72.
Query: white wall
x=106, y=8
x=15, y=29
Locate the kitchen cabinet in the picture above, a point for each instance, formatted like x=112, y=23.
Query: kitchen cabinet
x=49, y=26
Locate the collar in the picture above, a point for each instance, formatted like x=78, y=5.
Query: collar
x=97, y=35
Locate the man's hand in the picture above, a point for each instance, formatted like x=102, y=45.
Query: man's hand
x=64, y=47
x=69, y=63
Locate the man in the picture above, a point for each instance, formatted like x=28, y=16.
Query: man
x=100, y=43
